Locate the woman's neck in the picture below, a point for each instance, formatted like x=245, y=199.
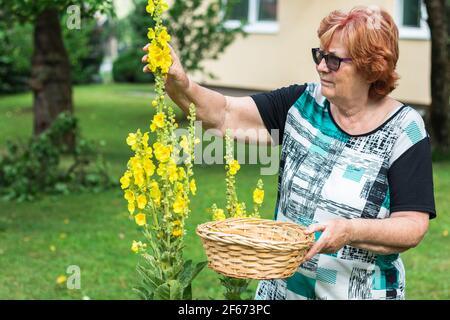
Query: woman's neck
x=359, y=116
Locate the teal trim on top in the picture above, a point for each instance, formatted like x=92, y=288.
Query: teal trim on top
x=318, y=117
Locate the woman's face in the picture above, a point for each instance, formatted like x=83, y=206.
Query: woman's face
x=345, y=83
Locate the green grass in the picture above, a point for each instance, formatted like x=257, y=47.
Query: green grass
x=99, y=234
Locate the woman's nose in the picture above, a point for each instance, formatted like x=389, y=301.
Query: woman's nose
x=323, y=66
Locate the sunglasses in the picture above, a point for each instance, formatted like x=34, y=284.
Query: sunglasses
x=333, y=62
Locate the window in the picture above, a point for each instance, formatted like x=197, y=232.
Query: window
x=260, y=16
x=411, y=19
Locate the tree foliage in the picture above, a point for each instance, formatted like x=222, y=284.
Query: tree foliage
x=200, y=33
x=197, y=28
x=28, y=10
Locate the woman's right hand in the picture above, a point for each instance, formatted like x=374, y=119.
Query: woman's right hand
x=176, y=77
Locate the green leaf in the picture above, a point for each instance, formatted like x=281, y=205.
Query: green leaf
x=170, y=290
x=162, y=292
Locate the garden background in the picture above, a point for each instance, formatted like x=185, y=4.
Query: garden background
x=88, y=226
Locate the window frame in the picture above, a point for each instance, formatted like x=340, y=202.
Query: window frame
x=412, y=33
x=253, y=24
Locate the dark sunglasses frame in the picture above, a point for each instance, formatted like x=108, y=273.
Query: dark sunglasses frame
x=318, y=55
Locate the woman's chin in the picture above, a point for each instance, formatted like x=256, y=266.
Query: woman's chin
x=327, y=92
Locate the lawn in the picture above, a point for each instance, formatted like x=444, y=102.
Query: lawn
x=39, y=240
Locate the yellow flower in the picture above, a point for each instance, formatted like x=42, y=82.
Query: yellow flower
x=193, y=186
x=150, y=7
x=218, y=214
x=135, y=247
x=132, y=140
x=234, y=167
x=125, y=181
x=159, y=119
x=138, y=245
x=131, y=207
x=258, y=196
x=445, y=233
x=178, y=187
x=154, y=103
x=155, y=53
x=152, y=127
x=179, y=205
x=129, y=196
x=177, y=228
x=238, y=213
x=164, y=6
x=162, y=152
x=178, y=232
x=181, y=173
x=135, y=163
x=166, y=62
x=145, y=138
x=172, y=171
x=162, y=170
x=159, y=57
x=184, y=143
x=61, y=279
x=141, y=201
x=163, y=37
x=149, y=167
x=140, y=219
x=139, y=178
x=151, y=34
x=148, y=152
x=155, y=193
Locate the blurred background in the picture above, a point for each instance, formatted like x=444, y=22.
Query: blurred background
x=72, y=88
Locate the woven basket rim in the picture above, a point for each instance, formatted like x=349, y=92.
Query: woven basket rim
x=208, y=231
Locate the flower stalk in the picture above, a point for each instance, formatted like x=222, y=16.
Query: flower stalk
x=158, y=183
x=233, y=287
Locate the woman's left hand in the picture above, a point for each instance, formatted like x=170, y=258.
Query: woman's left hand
x=336, y=234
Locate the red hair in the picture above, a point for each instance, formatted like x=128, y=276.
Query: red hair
x=371, y=38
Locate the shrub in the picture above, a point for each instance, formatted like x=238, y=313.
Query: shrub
x=127, y=68
x=45, y=165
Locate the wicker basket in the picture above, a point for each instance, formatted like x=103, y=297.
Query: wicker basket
x=252, y=248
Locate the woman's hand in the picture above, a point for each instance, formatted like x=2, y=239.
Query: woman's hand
x=176, y=77
x=336, y=234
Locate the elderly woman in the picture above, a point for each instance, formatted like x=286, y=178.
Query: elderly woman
x=355, y=164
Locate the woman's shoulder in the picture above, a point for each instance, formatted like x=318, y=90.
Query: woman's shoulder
x=412, y=131
x=412, y=123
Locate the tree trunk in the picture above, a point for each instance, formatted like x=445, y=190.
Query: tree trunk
x=440, y=107
x=50, y=75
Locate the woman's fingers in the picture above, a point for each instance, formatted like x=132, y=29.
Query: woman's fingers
x=317, y=246
x=315, y=249
x=145, y=58
x=314, y=228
